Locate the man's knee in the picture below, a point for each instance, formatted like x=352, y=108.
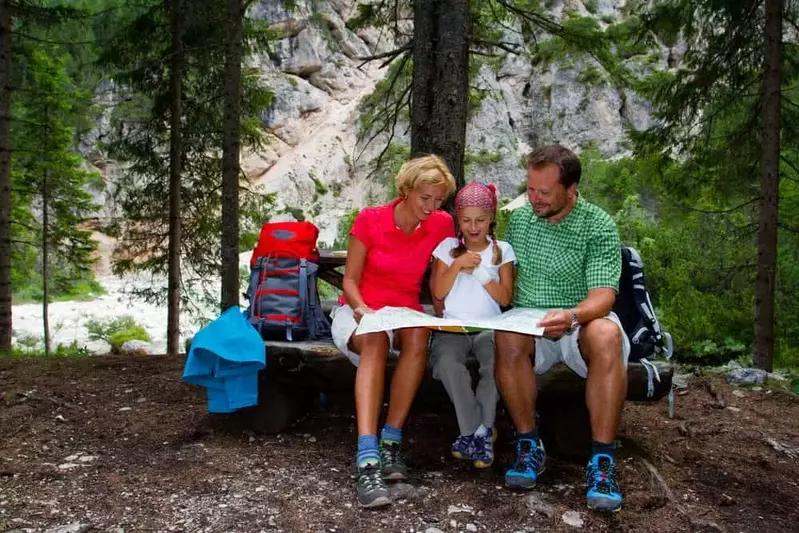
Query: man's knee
x=511, y=347
x=601, y=339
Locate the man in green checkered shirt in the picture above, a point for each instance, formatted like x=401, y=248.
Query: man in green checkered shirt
x=569, y=261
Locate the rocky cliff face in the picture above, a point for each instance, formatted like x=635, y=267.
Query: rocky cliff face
x=318, y=80
x=314, y=161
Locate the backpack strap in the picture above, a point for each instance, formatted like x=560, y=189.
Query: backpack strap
x=303, y=291
x=652, y=375
x=643, y=302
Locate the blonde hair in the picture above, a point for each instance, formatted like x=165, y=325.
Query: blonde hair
x=424, y=170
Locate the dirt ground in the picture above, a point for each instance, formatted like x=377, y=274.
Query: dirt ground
x=120, y=444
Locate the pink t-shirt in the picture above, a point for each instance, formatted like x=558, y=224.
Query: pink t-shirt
x=396, y=262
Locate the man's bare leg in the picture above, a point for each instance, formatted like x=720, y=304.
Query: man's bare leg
x=606, y=386
x=605, y=391
x=516, y=381
x=515, y=377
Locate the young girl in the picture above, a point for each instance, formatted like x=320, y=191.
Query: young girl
x=473, y=274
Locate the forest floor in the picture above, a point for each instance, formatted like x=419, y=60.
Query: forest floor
x=116, y=444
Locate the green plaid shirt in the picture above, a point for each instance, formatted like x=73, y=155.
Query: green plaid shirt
x=559, y=263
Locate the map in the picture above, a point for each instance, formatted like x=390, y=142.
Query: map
x=520, y=320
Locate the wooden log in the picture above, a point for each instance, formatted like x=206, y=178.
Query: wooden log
x=321, y=364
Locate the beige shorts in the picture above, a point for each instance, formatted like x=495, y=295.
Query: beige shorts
x=344, y=326
x=566, y=350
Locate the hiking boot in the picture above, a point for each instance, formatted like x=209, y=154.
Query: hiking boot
x=483, y=454
x=603, y=492
x=463, y=447
x=391, y=460
x=529, y=464
x=372, y=490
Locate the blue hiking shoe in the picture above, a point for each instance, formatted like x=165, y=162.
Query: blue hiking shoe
x=484, y=449
x=603, y=492
x=529, y=464
x=463, y=447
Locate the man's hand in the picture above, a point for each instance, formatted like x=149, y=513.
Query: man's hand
x=359, y=311
x=556, y=323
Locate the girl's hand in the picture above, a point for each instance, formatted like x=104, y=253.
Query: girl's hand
x=359, y=311
x=468, y=260
x=483, y=275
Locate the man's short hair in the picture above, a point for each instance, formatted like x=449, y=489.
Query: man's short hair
x=567, y=162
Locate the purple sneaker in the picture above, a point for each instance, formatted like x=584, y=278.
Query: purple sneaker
x=463, y=447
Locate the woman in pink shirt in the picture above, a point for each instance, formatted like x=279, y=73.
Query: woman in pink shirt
x=389, y=250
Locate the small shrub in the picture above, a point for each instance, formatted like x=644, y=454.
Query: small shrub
x=116, y=331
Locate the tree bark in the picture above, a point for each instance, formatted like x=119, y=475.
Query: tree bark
x=770, y=184
x=230, y=155
x=440, y=90
x=5, y=177
x=45, y=192
x=175, y=170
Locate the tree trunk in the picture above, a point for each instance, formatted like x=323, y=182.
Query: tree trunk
x=440, y=90
x=175, y=170
x=5, y=177
x=45, y=192
x=770, y=184
x=230, y=155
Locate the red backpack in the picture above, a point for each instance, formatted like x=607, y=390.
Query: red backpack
x=287, y=239
x=284, y=299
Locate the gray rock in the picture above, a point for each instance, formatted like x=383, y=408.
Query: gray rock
x=405, y=491
x=136, y=347
x=75, y=527
x=292, y=99
x=537, y=503
x=746, y=376
x=433, y=530
x=301, y=55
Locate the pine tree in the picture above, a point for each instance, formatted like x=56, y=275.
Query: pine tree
x=139, y=55
x=48, y=172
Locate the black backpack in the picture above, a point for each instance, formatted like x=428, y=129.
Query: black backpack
x=637, y=315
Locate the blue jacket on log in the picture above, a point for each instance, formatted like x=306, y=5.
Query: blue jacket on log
x=225, y=357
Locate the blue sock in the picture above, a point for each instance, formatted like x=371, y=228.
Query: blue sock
x=367, y=450
x=391, y=434
x=603, y=448
x=532, y=435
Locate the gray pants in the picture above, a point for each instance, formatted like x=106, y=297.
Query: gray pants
x=448, y=352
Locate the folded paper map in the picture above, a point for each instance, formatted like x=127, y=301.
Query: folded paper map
x=519, y=320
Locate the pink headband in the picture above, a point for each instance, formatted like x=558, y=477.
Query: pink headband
x=477, y=195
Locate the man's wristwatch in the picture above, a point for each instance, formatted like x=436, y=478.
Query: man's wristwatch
x=574, y=323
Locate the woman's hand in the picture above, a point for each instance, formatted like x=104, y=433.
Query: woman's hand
x=468, y=260
x=361, y=310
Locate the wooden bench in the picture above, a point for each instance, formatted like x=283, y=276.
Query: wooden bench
x=296, y=371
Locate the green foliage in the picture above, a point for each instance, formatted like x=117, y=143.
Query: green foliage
x=319, y=187
x=31, y=346
x=295, y=212
x=590, y=77
x=49, y=179
x=138, y=55
x=483, y=157
x=343, y=230
x=385, y=170
x=116, y=331
x=698, y=258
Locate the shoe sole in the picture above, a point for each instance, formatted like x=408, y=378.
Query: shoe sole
x=481, y=464
x=395, y=476
x=603, y=506
x=459, y=455
x=380, y=501
x=526, y=485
